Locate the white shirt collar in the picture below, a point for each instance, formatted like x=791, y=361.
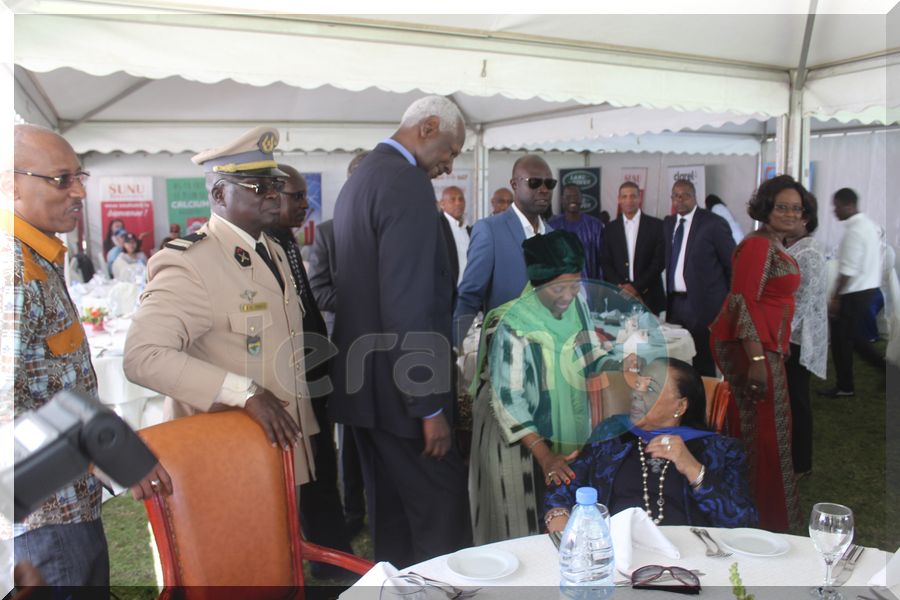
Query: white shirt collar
x=526, y=224
x=635, y=219
x=246, y=237
x=688, y=217
x=452, y=220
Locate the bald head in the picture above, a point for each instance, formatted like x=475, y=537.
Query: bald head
x=453, y=202
x=51, y=198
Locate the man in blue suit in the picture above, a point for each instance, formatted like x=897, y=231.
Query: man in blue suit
x=698, y=269
x=495, y=271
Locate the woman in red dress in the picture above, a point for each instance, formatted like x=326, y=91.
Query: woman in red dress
x=750, y=340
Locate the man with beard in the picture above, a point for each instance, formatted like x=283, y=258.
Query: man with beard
x=588, y=229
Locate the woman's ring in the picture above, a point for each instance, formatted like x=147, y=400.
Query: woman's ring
x=154, y=483
x=551, y=474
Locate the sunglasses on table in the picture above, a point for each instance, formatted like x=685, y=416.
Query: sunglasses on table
x=62, y=182
x=682, y=580
x=535, y=182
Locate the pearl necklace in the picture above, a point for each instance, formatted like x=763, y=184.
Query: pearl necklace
x=660, y=502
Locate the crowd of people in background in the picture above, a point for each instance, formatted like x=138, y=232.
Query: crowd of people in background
x=403, y=268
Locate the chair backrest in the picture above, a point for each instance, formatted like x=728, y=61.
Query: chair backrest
x=718, y=397
x=232, y=518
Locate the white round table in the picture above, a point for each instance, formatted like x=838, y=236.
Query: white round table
x=787, y=576
x=114, y=389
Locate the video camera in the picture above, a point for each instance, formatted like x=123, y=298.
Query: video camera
x=56, y=443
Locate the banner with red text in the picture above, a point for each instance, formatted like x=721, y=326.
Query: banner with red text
x=129, y=200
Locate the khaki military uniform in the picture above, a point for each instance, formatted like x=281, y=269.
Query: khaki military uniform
x=212, y=308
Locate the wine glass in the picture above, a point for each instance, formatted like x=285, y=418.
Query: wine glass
x=831, y=531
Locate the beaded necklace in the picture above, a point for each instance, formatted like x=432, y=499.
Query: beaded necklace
x=660, y=502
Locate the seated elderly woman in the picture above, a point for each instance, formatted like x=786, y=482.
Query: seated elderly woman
x=667, y=463
x=531, y=412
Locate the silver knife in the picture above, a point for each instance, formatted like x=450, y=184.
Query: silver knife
x=838, y=567
x=851, y=559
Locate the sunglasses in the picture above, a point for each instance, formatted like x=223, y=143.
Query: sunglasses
x=535, y=182
x=62, y=182
x=261, y=188
x=687, y=582
x=295, y=196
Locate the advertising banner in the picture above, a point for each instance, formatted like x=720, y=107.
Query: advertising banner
x=588, y=180
x=696, y=174
x=188, y=203
x=129, y=200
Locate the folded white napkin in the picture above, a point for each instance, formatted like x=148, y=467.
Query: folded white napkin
x=377, y=575
x=632, y=528
x=889, y=575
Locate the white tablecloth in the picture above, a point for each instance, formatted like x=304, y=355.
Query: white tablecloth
x=785, y=576
x=130, y=401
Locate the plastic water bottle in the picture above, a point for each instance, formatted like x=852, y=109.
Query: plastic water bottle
x=586, y=561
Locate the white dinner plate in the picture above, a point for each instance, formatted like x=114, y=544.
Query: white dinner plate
x=483, y=563
x=754, y=542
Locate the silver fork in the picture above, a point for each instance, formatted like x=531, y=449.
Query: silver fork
x=712, y=548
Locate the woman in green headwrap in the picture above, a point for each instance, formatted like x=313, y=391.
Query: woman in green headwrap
x=531, y=412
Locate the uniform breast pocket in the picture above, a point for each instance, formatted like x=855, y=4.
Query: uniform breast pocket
x=251, y=326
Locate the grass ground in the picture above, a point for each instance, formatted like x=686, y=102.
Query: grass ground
x=856, y=461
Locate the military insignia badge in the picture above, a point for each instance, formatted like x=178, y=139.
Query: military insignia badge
x=254, y=345
x=267, y=142
x=242, y=256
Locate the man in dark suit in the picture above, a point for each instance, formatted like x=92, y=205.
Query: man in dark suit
x=456, y=234
x=393, y=373
x=495, y=272
x=698, y=269
x=633, y=254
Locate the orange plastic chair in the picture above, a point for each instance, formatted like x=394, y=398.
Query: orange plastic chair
x=230, y=529
x=718, y=399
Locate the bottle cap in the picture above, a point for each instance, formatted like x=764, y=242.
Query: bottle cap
x=586, y=495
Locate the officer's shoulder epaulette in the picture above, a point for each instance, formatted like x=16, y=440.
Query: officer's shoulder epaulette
x=186, y=242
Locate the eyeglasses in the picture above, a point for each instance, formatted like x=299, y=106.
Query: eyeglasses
x=295, y=196
x=645, y=576
x=62, y=182
x=786, y=208
x=261, y=188
x=535, y=182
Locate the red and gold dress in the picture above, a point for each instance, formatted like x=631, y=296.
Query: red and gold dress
x=760, y=306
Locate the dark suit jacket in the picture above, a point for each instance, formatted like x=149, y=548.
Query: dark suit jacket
x=649, y=259
x=323, y=267
x=452, y=254
x=394, y=309
x=707, y=264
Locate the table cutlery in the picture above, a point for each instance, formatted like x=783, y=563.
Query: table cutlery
x=556, y=538
x=452, y=592
x=847, y=563
x=712, y=548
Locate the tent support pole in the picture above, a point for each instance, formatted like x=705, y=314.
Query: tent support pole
x=481, y=173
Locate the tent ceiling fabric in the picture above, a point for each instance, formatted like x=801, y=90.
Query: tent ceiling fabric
x=271, y=50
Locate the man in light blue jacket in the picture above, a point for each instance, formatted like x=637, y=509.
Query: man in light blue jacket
x=495, y=271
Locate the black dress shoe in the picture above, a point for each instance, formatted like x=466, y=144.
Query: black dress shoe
x=836, y=393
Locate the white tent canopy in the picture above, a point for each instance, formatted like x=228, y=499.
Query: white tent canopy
x=175, y=82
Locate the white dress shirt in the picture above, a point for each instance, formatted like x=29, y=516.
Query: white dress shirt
x=860, y=254
x=526, y=224
x=680, y=285
x=461, y=238
x=631, y=232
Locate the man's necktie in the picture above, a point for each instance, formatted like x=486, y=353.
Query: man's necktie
x=673, y=256
x=264, y=254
